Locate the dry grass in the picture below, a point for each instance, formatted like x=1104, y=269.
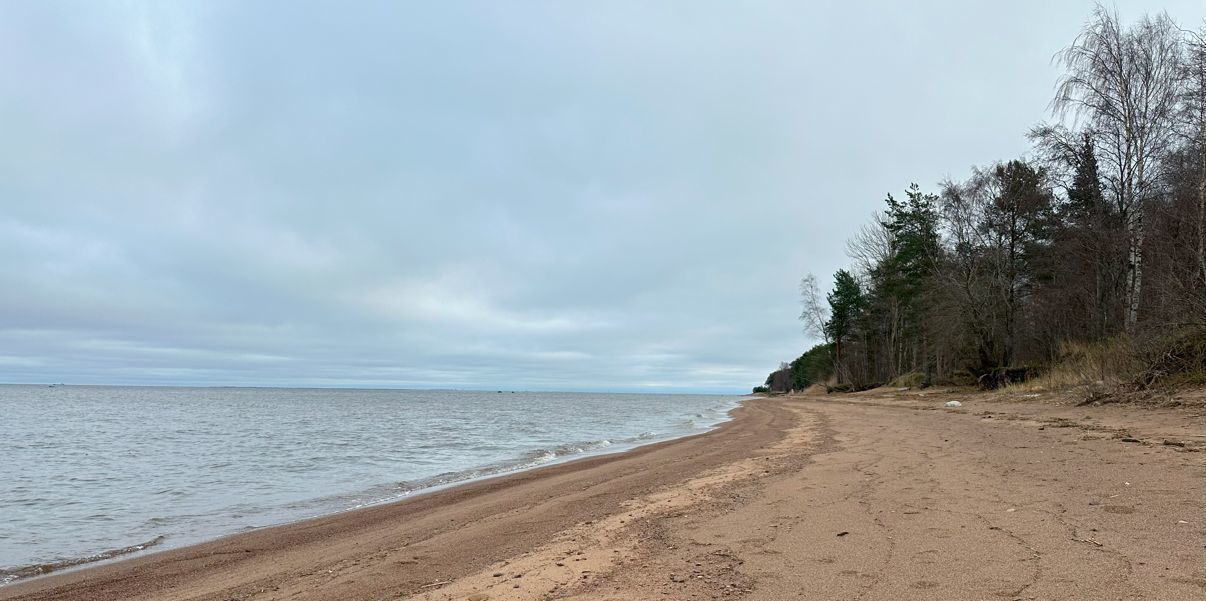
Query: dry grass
x=910, y=380
x=1102, y=364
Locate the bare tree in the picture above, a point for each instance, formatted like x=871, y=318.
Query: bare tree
x=1125, y=83
x=1193, y=126
x=967, y=274
x=815, y=314
x=870, y=247
x=994, y=226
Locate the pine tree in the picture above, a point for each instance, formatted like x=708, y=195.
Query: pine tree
x=845, y=307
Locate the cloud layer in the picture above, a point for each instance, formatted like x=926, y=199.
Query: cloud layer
x=616, y=196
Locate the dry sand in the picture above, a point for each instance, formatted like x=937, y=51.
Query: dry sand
x=870, y=496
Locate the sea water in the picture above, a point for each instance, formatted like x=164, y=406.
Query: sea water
x=92, y=472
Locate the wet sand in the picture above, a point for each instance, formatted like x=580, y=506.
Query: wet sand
x=869, y=496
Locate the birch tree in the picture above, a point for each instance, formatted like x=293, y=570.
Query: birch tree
x=814, y=314
x=1125, y=84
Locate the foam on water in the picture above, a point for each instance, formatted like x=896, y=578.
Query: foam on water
x=94, y=473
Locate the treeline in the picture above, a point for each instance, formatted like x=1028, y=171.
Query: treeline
x=1095, y=245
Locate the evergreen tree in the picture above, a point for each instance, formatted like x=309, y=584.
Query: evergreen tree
x=1086, y=204
x=899, y=281
x=845, y=306
x=813, y=367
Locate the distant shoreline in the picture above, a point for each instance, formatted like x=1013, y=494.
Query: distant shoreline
x=682, y=392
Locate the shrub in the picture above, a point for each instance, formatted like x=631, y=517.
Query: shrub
x=1001, y=377
x=912, y=379
x=1176, y=360
x=961, y=377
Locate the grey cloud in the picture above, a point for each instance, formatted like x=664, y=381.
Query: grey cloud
x=540, y=195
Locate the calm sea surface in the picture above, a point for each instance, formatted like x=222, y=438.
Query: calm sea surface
x=89, y=472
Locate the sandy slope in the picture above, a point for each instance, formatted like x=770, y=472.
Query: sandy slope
x=871, y=496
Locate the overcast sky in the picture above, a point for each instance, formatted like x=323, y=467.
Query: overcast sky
x=520, y=195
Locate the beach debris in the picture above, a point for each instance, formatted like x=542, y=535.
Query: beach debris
x=843, y=533
x=1182, y=522
x=436, y=583
x=1130, y=439
x=1011, y=510
x=954, y=404
x=1174, y=443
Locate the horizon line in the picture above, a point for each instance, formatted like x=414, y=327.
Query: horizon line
x=504, y=390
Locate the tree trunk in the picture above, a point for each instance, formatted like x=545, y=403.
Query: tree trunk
x=1134, y=268
x=1202, y=213
x=837, y=359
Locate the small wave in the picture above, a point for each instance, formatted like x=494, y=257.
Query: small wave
x=8, y=575
x=543, y=455
x=530, y=459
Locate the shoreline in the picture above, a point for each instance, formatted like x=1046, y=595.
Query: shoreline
x=388, y=509
x=338, y=503
x=869, y=495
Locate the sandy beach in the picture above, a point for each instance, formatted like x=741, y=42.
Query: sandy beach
x=870, y=496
